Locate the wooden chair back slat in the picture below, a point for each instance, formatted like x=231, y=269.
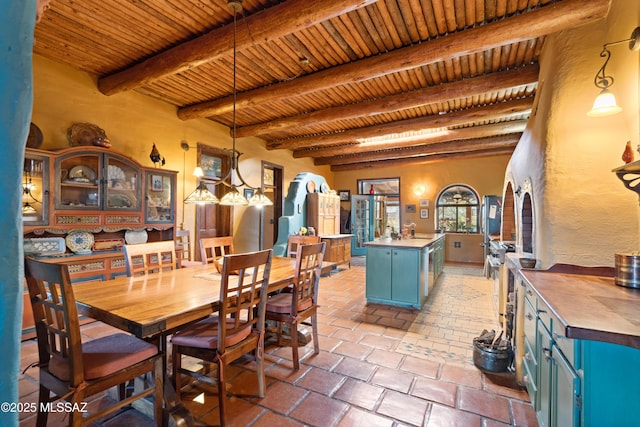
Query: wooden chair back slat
x=55, y=315
x=296, y=240
x=213, y=249
x=145, y=258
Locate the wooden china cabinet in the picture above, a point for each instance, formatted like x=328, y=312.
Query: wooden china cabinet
x=82, y=204
x=323, y=213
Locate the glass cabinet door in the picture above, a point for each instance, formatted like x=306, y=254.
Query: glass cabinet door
x=360, y=223
x=122, y=184
x=78, y=182
x=35, y=193
x=159, y=191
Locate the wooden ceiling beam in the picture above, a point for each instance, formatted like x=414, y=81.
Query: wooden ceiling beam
x=275, y=22
x=536, y=23
x=444, y=92
x=496, y=111
x=452, y=134
x=456, y=146
x=421, y=160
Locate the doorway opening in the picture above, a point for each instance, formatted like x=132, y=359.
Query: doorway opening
x=272, y=186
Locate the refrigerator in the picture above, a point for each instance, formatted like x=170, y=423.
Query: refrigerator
x=491, y=220
x=368, y=221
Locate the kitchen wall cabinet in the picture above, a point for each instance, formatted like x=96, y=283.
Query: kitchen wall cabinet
x=575, y=382
x=323, y=213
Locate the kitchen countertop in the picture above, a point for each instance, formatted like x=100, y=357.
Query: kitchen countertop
x=416, y=243
x=590, y=307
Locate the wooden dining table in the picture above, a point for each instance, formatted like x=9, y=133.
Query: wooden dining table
x=155, y=305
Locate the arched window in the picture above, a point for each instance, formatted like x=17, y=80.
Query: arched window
x=457, y=208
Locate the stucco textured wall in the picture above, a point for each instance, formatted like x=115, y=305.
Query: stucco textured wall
x=133, y=123
x=583, y=213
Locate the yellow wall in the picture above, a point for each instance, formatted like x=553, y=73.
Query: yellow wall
x=485, y=175
x=133, y=123
x=583, y=213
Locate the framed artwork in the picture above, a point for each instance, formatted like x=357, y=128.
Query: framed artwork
x=345, y=195
x=156, y=183
x=424, y=203
x=410, y=209
x=248, y=193
x=211, y=166
x=267, y=177
x=424, y=213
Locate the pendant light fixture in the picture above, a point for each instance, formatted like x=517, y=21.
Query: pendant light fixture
x=200, y=195
x=605, y=103
x=233, y=197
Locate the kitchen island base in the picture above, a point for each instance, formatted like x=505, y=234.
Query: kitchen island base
x=402, y=272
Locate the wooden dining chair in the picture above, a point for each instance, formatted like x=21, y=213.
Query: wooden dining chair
x=73, y=370
x=213, y=250
x=236, y=329
x=183, y=249
x=295, y=240
x=302, y=302
x=145, y=258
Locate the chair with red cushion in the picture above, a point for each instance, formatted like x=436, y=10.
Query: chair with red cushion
x=242, y=308
x=302, y=302
x=73, y=370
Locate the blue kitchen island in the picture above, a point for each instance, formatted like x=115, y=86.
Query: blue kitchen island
x=402, y=272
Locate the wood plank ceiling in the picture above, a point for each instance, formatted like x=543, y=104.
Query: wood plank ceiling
x=328, y=79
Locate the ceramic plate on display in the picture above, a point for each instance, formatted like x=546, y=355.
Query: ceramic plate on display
x=324, y=187
x=115, y=173
x=82, y=174
x=80, y=242
x=34, y=140
x=44, y=246
x=134, y=237
x=119, y=201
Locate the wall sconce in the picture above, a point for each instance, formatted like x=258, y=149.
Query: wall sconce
x=419, y=189
x=201, y=195
x=605, y=103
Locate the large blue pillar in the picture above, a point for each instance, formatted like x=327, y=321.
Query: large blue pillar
x=17, y=22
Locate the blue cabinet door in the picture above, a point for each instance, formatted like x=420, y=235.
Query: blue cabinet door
x=405, y=279
x=378, y=273
x=565, y=405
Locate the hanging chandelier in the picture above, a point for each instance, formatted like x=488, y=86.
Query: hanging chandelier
x=233, y=197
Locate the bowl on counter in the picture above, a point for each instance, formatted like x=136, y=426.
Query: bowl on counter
x=528, y=262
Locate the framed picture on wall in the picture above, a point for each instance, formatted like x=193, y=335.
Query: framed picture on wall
x=424, y=203
x=211, y=166
x=410, y=208
x=156, y=182
x=424, y=213
x=345, y=195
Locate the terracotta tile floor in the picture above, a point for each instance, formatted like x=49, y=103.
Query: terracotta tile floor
x=378, y=366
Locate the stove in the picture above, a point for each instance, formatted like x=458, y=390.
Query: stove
x=498, y=249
